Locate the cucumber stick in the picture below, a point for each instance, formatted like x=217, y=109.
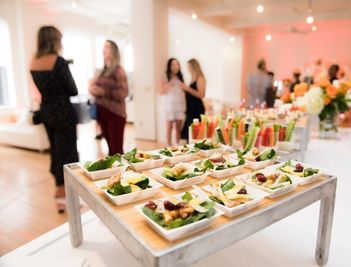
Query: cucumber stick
x=219, y=134
x=252, y=138
x=289, y=130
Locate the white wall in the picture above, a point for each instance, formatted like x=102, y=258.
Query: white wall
x=220, y=59
x=81, y=41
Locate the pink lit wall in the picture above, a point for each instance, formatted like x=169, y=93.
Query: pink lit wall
x=287, y=51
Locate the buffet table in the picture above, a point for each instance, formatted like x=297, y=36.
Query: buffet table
x=151, y=249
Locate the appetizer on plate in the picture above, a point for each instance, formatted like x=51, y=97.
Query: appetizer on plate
x=272, y=181
x=228, y=193
x=219, y=162
x=128, y=187
x=182, y=171
x=178, y=151
x=180, y=175
x=176, y=212
x=257, y=159
x=256, y=155
x=105, y=167
x=105, y=163
x=137, y=156
x=178, y=154
x=298, y=169
x=207, y=145
x=233, y=197
x=140, y=160
x=128, y=182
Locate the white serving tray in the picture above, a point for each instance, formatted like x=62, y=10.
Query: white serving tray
x=177, y=184
x=180, y=232
x=131, y=197
x=258, y=197
x=253, y=165
x=107, y=173
x=303, y=180
x=272, y=193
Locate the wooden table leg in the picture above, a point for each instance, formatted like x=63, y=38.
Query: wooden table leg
x=74, y=217
x=325, y=224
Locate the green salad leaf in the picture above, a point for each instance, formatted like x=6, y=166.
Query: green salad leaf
x=104, y=163
x=229, y=184
x=309, y=172
x=266, y=155
x=165, y=151
x=187, y=197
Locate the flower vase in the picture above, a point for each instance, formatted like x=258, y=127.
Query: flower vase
x=328, y=127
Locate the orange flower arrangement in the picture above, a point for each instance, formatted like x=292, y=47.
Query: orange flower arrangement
x=332, y=91
x=327, y=100
x=344, y=87
x=300, y=89
x=324, y=83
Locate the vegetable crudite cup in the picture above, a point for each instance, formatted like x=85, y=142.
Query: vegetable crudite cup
x=306, y=172
x=208, y=147
x=219, y=165
x=233, y=197
x=180, y=175
x=128, y=187
x=273, y=182
x=180, y=215
x=256, y=159
x=178, y=154
x=140, y=160
x=105, y=167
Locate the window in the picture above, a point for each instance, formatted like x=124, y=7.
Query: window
x=7, y=91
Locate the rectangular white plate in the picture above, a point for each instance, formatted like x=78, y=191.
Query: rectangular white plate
x=180, y=232
x=209, y=153
x=182, y=158
x=131, y=197
x=107, y=173
x=258, y=196
x=303, y=180
x=178, y=184
x=272, y=193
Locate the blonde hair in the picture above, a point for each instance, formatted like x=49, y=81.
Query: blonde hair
x=115, y=60
x=195, y=65
x=49, y=41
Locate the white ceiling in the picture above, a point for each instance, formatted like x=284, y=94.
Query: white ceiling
x=236, y=15
x=229, y=15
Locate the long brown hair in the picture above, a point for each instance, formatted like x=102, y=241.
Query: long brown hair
x=49, y=41
x=195, y=65
x=115, y=60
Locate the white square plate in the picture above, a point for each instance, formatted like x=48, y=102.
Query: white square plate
x=131, y=197
x=180, y=183
x=180, y=232
x=107, y=173
x=209, y=153
x=148, y=163
x=272, y=193
x=182, y=158
x=257, y=195
x=303, y=180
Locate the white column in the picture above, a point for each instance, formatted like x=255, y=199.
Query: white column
x=149, y=27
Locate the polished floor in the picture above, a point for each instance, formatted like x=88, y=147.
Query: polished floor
x=27, y=205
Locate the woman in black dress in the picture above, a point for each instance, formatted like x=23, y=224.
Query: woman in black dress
x=194, y=94
x=55, y=83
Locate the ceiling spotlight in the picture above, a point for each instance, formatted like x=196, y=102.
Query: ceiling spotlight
x=260, y=8
x=231, y=39
x=74, y=4
x=194, y=16
x=309, y=19
x=268, y=37
x=314, y=28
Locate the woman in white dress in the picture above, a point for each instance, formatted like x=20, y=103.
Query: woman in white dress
x=172, y=99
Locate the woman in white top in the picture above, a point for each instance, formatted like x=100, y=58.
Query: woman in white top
x=173, y=99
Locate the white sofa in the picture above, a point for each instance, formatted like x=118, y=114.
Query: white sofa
x=23, y=134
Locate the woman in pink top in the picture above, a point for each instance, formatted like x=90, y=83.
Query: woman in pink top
x=110, y=89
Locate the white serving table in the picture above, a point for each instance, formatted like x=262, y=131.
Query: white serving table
x=150, y=249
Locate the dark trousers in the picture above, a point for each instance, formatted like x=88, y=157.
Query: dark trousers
x=63, y=147
x=112, y=126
